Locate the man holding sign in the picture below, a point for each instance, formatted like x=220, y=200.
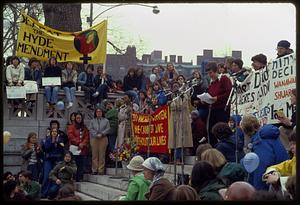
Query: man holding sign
x=52, y=82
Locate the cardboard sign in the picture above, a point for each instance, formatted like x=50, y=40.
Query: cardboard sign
x=15, y=92
x=51, y=81
x=30, y=86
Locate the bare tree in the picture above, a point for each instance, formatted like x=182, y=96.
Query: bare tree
x=11, y=14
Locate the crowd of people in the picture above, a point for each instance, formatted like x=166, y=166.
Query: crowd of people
x=53, y=162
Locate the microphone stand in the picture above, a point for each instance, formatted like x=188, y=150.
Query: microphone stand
x=233, y=92
x=181, y=95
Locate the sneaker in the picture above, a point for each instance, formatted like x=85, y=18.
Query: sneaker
x=69, y=105
x=95, y=94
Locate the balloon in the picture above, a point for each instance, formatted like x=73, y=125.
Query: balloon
x=250, y=162
x=152, y=78
x=60, y=105
x=6, y=137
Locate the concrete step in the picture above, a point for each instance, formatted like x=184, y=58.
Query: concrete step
x=85, y=197
x=111, y=172
x=168, y=167
x=12, y=169
x=189, y=160
x=108, y=181
x=12, y=159
x=98, y=191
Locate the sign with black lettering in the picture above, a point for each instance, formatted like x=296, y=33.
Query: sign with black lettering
x=268, y=90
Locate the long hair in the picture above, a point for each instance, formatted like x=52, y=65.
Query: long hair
x=28, y=144
x=81, y=124
x=202, y=173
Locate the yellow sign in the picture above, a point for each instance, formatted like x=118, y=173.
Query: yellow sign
x=42, y=42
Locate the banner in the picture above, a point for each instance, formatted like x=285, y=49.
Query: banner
x=42, y=42
x=158, y=131
x=267, y=91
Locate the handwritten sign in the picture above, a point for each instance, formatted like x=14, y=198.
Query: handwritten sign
x=268, y=90
x=51, y=81
x=15, y=92
x=30, y=86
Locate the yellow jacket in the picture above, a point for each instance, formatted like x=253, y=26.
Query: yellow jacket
x=285, y=168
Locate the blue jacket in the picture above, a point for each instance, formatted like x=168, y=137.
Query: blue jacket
x=53, y=151
x=85, y=79
x=227, y=147
x=267, y=145
x=162, y=98
x=237, y=119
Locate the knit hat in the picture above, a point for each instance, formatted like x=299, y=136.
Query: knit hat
x=260, y=58
x=284, y=44
x=154, y=164
x=135, y=164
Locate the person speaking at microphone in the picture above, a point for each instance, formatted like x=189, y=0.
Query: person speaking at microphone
x=219, y=88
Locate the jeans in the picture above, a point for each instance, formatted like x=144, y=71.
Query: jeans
x=88, y=92
x=134, y=95
x=51, y=94
x=103, y=90
x=80, y=163
x=53, y=190
x=34, y=169
x=112, y=141
x=178, y=153
x=47, y=167
x=70, y=94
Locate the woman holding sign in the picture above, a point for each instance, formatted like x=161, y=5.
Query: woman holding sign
x=15, y=75
x=79, y=140
x=51, y=91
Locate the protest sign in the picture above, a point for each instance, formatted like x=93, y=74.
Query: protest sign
x=268, y=90
x=15, y=92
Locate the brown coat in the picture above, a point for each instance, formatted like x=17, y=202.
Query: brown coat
x=163, y=189
x=182, y=126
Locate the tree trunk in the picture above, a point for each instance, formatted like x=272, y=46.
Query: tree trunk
x=63, y=17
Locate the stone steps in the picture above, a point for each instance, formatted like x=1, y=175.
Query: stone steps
x=98, y=191
x=85, y=197
x=108, y=181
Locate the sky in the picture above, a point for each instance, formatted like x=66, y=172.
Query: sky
x=187, y=29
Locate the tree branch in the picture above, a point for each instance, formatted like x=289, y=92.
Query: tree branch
x=121, y=51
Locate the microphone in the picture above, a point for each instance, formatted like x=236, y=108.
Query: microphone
x=243, y=70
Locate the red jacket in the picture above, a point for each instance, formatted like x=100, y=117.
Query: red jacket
x=220, y=88
x=74, y=138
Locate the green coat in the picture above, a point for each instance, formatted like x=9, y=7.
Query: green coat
x=66, y=174
x=33, y=190
x=112, y=116
x=210, y=191
x=137, y=188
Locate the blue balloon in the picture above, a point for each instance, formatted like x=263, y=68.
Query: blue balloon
x=60, y=105
x=250, y=162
